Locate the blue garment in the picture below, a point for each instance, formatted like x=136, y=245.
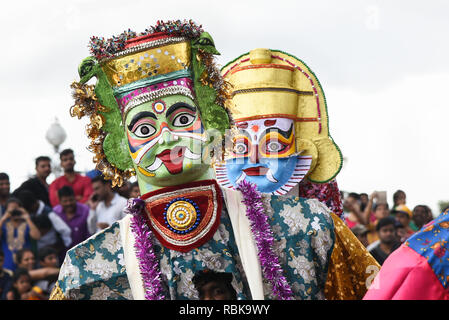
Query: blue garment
x=432, y=242
x=304, y=239
x=14, y=239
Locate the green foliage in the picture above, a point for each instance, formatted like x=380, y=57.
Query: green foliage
x=114, y=145
x=213, y=115
x=205, y=43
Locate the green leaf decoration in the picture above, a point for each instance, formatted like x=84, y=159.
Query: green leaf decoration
x=114, y=145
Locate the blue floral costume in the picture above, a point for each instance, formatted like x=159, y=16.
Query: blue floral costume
x=304, y=235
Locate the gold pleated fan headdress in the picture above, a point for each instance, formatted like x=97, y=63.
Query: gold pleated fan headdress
x=273, y=84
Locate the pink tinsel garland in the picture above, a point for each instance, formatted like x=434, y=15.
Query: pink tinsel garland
x=264, y=240
x=148, y=261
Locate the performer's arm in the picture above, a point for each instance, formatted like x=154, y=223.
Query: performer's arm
x=369, y=208
x=34, y=231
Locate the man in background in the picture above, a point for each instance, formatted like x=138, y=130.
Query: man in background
x=388, y=240
x=38, y=184
x=80, y=184
x=404, y=215
x=106, y=206
x=74, y=214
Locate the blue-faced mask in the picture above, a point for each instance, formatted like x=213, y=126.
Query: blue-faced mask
x=264, y=153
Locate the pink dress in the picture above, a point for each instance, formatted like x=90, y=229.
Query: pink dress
x=419, y=269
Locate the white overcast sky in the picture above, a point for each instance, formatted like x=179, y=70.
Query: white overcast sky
x=383, y=65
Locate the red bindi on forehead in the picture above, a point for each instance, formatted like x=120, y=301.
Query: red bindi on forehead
x=255, y=128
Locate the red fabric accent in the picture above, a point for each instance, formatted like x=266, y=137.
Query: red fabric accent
x=406, y=275
x=146, y=38
x=264, y=65
x=82, y=186
x=204, y=200
x=351, y=224
x=327, y=193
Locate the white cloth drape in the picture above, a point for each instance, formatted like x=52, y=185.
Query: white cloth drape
x=243, y=237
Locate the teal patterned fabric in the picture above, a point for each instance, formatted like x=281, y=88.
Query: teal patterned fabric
x=304, y=233
x=219, y=254
x=95, y=269
x=303, y=230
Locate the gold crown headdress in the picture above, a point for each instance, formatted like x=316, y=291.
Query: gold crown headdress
x=273, y=84
x=173, y=57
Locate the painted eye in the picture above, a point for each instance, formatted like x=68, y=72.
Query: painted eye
x=144, y=130
x=184, y=119
x=274, y=146
x=240, y=148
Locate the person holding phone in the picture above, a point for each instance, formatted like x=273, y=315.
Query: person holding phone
x=106, y=206
x=16, y=231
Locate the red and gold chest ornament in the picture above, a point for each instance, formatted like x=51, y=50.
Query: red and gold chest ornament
x=184, y=217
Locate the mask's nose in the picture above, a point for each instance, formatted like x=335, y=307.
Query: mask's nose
x=254, y=154
x=167, y=135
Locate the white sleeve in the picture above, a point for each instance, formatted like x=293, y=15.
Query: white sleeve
x=61, y=227
x=122, y=211
x=92, y=221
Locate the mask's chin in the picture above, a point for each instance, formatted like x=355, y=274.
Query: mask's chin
x=275, y=176
x=263, y=175
x=175, y=165
x=265, y=184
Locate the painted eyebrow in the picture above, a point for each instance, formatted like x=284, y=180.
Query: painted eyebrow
x=178, y=105
x=242, y=125
x=286, y=134
x=140, y=115
x=269, y=123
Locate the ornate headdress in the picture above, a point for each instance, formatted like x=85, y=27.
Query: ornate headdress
x=173, y=57
x=270, y=84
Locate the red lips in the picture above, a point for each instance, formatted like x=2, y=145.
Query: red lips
x=256, y=171
x=172, y=159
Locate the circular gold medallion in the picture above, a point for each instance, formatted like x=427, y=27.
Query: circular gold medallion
x=181, y=215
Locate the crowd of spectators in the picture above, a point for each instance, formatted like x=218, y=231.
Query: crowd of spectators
x=41, y=221
x=379, y=228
